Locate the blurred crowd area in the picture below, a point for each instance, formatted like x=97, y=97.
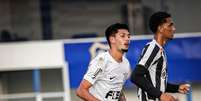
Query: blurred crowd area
x=22, y=20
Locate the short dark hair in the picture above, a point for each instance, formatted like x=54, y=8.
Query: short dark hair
x=113, y=29
x=157, y=19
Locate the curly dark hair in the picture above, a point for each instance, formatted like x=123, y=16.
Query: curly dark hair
x=157, y=19
x=113, y=29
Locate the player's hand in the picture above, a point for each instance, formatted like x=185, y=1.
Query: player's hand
x=184, y=88
x=167, y=97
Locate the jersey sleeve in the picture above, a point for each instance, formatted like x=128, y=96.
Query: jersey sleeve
x=138, y=78
x=95, y=69
x=148, y=54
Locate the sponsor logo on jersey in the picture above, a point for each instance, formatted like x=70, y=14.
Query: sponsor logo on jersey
x=113, y=95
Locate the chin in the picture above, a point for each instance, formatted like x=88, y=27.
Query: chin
x=171, y=38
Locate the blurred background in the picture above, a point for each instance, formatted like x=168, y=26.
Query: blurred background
x=40, y=43
x=61, y=19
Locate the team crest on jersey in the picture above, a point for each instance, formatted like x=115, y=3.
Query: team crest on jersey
x=100, y=62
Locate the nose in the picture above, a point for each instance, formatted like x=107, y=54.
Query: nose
x=174, y=28
x=127, y=38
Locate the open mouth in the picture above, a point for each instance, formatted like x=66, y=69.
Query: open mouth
x=126, y=44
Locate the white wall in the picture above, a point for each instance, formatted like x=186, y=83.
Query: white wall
x=31, y=55
x=17, y=59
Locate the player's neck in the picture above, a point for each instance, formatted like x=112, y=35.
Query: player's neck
x=160, y=40
x=116, y=55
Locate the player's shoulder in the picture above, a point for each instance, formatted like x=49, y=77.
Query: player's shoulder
x=99, y=61
x=125, y=59
x=101, y=57
x=152, y=44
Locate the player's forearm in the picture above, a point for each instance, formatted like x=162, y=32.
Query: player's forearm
x=138, y=77
x=172, y=88
x=85, y=95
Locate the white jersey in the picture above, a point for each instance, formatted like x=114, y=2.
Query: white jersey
x=107, y=76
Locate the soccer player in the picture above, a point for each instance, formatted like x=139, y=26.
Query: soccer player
x=108, y=71
x=150, y=74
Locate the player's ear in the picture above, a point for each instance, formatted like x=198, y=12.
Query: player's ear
x=112, y=40
x=160, y=28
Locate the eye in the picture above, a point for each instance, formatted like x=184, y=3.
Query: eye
x=171, y=24
x=129, y=35
x=122, y=35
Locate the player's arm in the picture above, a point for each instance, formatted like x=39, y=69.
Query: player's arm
x=182, y=88
x=138, y=77
x=173, y=88
x=91, y=76
x=83, y=91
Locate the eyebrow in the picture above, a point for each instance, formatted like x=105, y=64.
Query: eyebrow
x=125, y=33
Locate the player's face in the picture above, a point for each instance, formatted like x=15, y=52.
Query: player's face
x=122, y=40
x=168, y=29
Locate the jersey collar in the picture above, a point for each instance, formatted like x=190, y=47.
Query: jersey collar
x=157, y=44
x=112, y=59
